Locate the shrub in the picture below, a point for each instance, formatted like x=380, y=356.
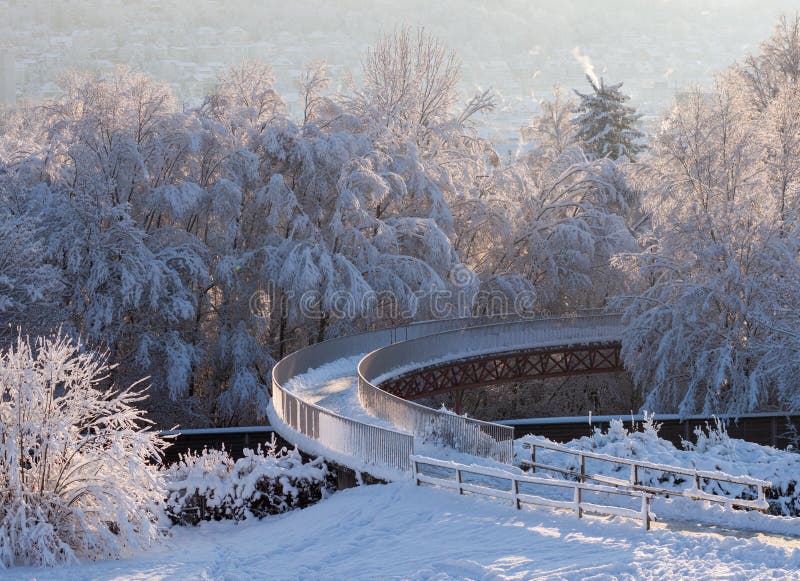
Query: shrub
x=780, y=467
x=212, y=486
x=76, y=473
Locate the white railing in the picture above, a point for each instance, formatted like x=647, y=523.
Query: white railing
x=453, y=345
x=484, y=439
x=350, y=441
x=369, y=446
x=439, y=428
x=359, y=443
x=577, y=503
x=632, y=482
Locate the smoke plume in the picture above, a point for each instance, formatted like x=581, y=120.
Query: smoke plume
x=585, y=62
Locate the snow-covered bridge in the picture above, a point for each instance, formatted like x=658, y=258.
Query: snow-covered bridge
x=349, y=398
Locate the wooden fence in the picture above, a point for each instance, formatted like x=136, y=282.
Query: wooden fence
x=578, y=504
x=632, y=483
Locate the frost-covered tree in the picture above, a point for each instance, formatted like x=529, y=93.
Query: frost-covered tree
x=77, y=473
x=199, y=245
x=776, y=65
x=709, y=330
x=29, y=286
x=574, y=216
x=106, y=168
x=326, y=217
x=561, y=217
x=117, y=197
x=605, y=125
x=552, y=131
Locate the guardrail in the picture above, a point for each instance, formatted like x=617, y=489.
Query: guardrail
x=365, y=443
x=632, y=483
x=484, y=439
x=233, y=440
x=439, y=428
x=350, y=440
x=577, y=504
x=383, y=447
x=493, y=338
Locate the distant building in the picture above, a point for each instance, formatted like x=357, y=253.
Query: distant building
x=8, y=77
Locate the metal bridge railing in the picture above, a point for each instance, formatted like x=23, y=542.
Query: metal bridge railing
x=365, y=443
x=361, y=442
x=436, y=427
x=383, y=447
x=484, y=439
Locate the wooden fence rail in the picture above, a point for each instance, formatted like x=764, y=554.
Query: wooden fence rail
x=578, y=504
x=632, y=483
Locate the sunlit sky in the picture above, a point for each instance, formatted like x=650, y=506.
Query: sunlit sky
x=520, y=48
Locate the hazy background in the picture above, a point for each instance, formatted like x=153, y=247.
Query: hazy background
x=518, y=47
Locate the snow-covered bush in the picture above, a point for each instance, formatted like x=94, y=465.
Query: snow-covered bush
x=780, y=467
x=77, y=477
x=714, y=450
x=212, y=486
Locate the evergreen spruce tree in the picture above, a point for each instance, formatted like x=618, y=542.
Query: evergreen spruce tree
x=605, y=126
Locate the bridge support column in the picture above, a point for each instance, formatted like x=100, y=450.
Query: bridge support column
x=459, y=395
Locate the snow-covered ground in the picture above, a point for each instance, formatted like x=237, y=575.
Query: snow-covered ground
x=402, y=531
x=405, y=532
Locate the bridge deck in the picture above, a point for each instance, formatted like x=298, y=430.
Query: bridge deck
x=334, y=386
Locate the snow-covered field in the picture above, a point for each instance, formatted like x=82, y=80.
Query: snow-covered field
x=406, y=532
x=400, y=531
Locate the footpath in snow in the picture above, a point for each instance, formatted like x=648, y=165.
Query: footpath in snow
x=400, y=531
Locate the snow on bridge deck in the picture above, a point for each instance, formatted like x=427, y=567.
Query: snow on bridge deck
x=334, y=387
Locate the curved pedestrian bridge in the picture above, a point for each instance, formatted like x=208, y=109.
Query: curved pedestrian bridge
x=350, y=399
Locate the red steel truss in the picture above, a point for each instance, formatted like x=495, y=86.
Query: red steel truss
x=505, y=367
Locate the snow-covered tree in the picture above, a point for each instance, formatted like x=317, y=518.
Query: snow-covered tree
x=77, y=471
x=575, y=216
x=149, y=230
x=605, y=125
x=552, y=131
x=29, y=286
x=710, y=329
x=776, y=65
